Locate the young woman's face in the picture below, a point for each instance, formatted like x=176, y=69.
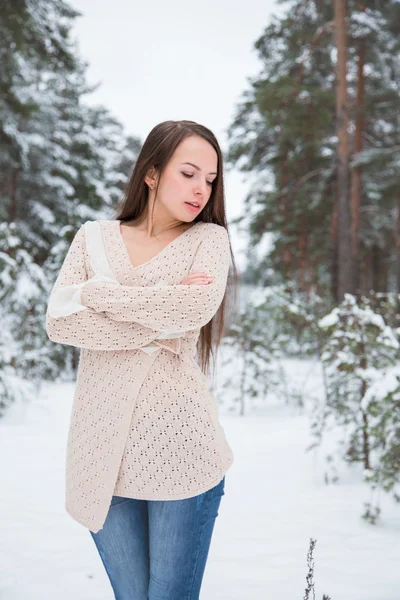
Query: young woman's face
x=182, y=183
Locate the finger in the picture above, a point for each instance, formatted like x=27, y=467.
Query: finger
x=196, y=281
x=199, y=279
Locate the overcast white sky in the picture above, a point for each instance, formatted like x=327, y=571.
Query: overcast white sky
x=174, y=60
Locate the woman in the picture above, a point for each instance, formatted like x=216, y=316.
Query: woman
x=147, y=456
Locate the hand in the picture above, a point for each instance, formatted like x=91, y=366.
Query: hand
x=197, y=278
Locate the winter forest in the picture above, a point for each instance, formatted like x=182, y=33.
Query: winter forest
x=307, y=378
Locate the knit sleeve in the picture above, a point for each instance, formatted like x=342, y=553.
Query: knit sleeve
x=179, y=307
x=84, y=327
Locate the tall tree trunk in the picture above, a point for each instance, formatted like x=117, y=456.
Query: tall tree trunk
x=13, y=208
x=398, y=250
x=385, y=270
x=334, y=250
x=287, y=217
x=345, y=279
x=375, y=262
x=356, y=173
x=380, y=269
x=287, y=254
x=365, y=273
x=365, y=424
x=302, y=243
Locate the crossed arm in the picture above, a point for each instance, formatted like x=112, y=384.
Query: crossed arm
x=110, y=316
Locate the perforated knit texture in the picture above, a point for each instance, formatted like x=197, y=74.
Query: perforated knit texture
x=143, y=425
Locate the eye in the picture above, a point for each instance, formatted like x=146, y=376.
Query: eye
x=190, y=175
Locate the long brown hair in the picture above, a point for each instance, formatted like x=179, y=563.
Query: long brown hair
x=155, y=153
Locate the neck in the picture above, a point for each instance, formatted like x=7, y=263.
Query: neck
x=157, y=225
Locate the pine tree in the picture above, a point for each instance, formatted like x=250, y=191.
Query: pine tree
x=360, y=356
x=284, y=133
x=61, y=163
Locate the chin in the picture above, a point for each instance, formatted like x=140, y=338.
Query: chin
x=187, y=219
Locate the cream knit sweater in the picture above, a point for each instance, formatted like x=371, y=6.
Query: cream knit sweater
x=144, y=423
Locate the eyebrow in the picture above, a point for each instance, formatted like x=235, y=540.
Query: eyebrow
x=196, y=167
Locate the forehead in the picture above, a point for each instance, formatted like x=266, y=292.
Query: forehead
x=197, y=150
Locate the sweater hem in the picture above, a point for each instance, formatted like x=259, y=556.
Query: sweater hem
x=123, y=492
x=96, y=526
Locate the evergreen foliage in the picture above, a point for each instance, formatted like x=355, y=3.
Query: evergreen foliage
x=62, y=162
x=284, y=135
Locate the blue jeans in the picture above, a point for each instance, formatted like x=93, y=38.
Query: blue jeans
x=157, y=549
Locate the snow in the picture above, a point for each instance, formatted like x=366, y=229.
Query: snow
x=383, y=385
x=366, y=22
x=275, y=501
x=331, y=319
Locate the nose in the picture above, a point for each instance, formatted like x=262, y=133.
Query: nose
x=202, y=187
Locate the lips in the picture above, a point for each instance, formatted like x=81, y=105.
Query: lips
x=196, y=208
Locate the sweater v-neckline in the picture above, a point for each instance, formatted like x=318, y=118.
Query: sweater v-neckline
x=160, y=253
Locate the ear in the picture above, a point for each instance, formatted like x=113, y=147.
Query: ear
x=151, y=177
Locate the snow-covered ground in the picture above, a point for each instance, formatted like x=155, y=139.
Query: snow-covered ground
x=275, y=500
